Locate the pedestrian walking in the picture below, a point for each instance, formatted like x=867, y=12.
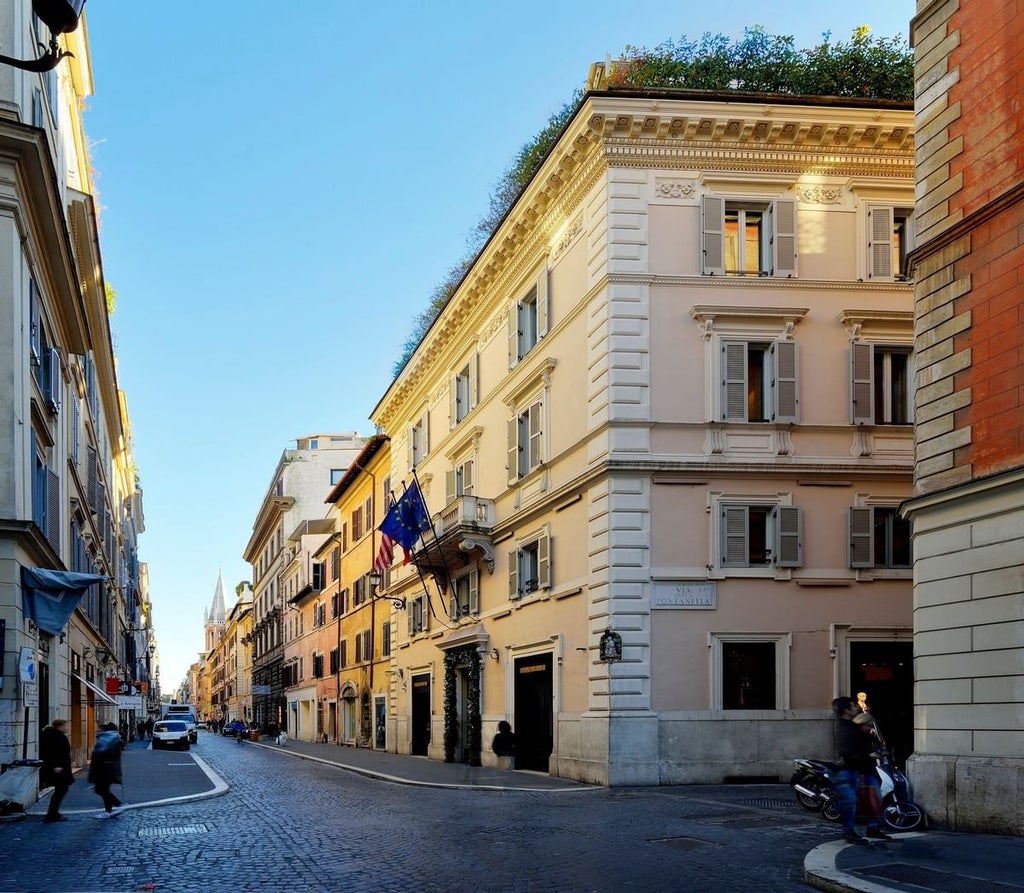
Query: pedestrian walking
x=149, y=728
x=857, y=779
x=55, y=753
x=105, y=768
x=140, y=730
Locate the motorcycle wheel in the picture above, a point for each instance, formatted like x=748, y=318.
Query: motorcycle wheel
x=830, y=812
x=903, y=816
x=810, y=803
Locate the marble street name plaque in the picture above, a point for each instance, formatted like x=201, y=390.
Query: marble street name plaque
x=692, y=596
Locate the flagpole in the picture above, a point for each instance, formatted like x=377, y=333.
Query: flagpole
x=419, y=570
x=440, y=551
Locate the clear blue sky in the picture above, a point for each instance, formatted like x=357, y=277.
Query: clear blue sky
x=282, y=185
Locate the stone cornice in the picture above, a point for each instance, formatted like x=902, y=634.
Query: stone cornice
x=657, y=131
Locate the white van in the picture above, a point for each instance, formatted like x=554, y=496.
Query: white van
x=183, y=712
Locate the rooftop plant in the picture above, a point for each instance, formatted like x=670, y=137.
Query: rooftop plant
x=863, y=67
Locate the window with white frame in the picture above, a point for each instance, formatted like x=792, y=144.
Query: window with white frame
x=463, y=391
x=881, y=384
x=879, y=537
x=419, y=620
x=528, y=319
x=526, y=440
x=464, y=600
x=419, y=440
x=890, y=237
x=759, y=381
x=529, y=566
x=755, y=535
x=458, y=481
x=748, y=237
x=750, y=671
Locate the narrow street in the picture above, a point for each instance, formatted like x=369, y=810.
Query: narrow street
x=293, y=825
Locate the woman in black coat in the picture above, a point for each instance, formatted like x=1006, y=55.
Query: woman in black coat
x=55, y=752
x=105, y=768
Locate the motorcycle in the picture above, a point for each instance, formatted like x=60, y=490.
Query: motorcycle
x=812, y=782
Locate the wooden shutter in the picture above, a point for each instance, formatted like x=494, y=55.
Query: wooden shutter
x=786, y=393
x=53, y=380
x=453, y=402
x=513, y=334
x=783, y=223
x=359, y=648
x=544, y=562
x=425, y=429
x=76, y=424
x=467, y=477
x=734, y=381
x=880, y=219
x=411, y=452
x=536, y=434
x=35, y=329
x=543, y=303
x=449, y=486
x=861, y=537
x=788, y=536
x=474, y=376
x=862, y=392
x=713, y=235
x=53, y=510
x=513, y=450
x=513, y=575
x=734, y=536
x=474, y=592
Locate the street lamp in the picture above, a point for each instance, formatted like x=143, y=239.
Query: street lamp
x=376, y=578
x=61, y=17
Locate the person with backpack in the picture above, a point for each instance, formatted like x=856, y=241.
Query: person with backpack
x=55, y=753
x=105, y=768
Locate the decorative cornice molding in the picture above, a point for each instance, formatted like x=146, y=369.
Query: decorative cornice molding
x=819, y=194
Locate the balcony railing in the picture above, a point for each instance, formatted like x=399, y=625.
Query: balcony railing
x=461, y=527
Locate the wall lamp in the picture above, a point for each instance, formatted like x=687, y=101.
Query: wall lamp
x=376, y=578
x=61, y=17
x=101, y=654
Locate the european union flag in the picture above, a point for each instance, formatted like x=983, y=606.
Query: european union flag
x=407, y=518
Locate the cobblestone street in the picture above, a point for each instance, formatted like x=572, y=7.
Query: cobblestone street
x=293, y=825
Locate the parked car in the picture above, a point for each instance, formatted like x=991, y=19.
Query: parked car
x=231, y=729
x=170, y=733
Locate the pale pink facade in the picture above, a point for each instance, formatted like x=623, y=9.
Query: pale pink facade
x=627, y=420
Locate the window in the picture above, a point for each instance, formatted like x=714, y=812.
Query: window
x=359, y=648
x=343, y=602
x=750, y=671
x=881, y=384
x=343, y=655
x=761, y=536
x=529, y=567
x=335, y=565
x=336, y=475
x=528, y=319
x=525, y=441
x=367, y=644
x=335, y=661
x=314, y=443
x=418, y=615
x=368, y=514
x=890, y=232
x=879, y=537
x=385, y=639
x=357, y=524
x=759, y=381
x=318, y=575
x=458, y=481
x=318, y=666
x=419, y=440
x=465, y=595
x=463, y=391
x=748, y=238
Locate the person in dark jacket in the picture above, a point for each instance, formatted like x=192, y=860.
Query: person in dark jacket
x=55, y=753
x=504, y=743
x=105, y=768
x=856, y=748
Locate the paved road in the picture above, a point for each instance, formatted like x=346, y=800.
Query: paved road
x=295, y=825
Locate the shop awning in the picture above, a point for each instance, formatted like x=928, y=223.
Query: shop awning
x=96, y=690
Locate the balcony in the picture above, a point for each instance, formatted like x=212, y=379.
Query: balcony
x=462, y=527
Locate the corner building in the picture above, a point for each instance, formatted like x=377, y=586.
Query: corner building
x=669, y=406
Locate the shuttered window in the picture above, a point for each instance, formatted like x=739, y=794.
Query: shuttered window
x=528, y=319
x=529, y=567
x=761, y=536
x=748, y=238
x=760, y=381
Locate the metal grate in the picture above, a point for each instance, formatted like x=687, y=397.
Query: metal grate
x=177, y=831
x=929, y=879
x=119, y=869
x=770, y=803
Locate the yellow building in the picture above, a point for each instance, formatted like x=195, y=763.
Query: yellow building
x=663, y=429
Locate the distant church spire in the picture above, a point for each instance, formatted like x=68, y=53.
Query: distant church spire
x=217, y=611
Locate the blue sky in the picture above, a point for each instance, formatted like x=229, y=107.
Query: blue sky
x=282, y=185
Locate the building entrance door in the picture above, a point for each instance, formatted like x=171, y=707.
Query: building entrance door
x=420, y=714
x=884, y=672
x=533, y=712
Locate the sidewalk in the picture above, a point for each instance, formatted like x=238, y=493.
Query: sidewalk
x=940, y=861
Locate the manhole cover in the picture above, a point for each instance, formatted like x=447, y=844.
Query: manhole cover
x=682, y=843
x=173, y=831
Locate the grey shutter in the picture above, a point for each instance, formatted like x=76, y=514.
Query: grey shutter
x=35, y=329
x=513, y=334
x=467, y=478
x=449, y=486
x=513, y=450
x=734, y=536
x=880, y=242
x=425, y=428
x=861, y=537
x=544, y=562
x=474, y=592
x=783, y=238
x=542, y=303
x=786, y=393
x=862, y=392
x=54, y=380
x=734, y=381
x=453, y=402
x=411, y=453
x=92, y=478
x=788, y=536
x=474, y=375
x=713, y=235
x=453, y=600
x=53, y=510
x=513, y=575
x=536, y=435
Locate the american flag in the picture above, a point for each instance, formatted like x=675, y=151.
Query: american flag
x=385, y=554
